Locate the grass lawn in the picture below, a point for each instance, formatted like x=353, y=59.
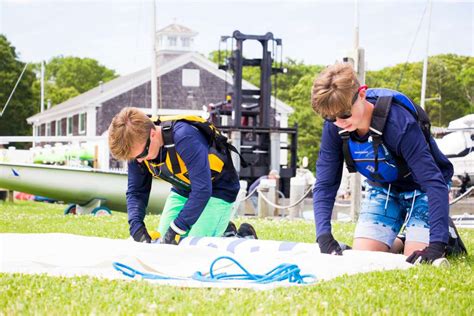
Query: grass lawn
x=420, y=290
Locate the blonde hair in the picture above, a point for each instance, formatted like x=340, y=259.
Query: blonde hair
x=334, y=89
x=128, y=127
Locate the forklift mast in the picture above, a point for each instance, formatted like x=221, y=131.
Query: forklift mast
x=249, y=113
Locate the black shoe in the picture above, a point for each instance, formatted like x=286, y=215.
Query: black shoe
x=247, y=231
x=456, y=246
x=230, y=231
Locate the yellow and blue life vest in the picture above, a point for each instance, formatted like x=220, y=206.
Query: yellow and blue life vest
x=173, y=169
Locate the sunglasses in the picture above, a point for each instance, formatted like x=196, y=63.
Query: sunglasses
x=342, y=116
x=144, y=153
x=345, y=114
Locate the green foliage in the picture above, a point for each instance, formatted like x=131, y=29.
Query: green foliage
x=67, y=77
x=310, y=125
x=466, y=76
x=82, y=74
x=54, y=93
x=450, y=85
x=419, y=290
x=23, y=102
x=219, y=59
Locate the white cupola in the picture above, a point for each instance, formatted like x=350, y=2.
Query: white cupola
x=175, y=38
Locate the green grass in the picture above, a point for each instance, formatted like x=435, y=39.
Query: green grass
x=420, y=290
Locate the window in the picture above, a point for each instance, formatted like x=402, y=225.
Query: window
x=48, y=129
x=190, y=77
x=172, y=41
x=186, y=41
x=82, y=123
x=69, y=125
x=59, y=127
x=38, y=130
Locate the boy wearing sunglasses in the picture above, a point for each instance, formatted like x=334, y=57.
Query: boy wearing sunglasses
x=407, y=175
x=202, y=195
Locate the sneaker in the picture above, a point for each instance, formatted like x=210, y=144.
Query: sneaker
x=247, y=231
x=230, y=231
x=456, y=246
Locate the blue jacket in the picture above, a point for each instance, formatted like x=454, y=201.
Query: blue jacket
x=193, y=148
x=431, y=171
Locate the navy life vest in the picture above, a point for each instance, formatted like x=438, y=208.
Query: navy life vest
x=173, y=169
x=372, y=158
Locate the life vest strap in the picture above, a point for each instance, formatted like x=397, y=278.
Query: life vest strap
x=167, y=131
x=377, y=125
x=380, y=114
x=350, y=164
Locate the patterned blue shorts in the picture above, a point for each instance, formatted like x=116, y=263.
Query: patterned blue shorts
x=381, y=219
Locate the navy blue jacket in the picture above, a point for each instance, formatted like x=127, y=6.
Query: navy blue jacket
x=193, y=148
x=431, y=171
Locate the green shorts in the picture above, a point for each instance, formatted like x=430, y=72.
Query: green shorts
x=212, y=222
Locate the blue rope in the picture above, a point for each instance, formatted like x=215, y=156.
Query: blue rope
x=290, y=272
x=285, y=271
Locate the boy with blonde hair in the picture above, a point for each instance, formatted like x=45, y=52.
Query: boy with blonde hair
x=204, y=181
x=382, y=134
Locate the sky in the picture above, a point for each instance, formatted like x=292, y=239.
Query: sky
x=118, y=33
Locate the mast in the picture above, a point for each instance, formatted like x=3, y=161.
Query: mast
x=154, y=86
x=425, y=61
x=359, y=66
x=42, y=86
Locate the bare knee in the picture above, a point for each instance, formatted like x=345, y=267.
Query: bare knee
x=398, y=246
x=369, y=244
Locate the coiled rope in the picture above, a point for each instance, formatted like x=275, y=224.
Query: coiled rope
x=283, y=272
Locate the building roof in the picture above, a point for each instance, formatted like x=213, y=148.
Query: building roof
x=96, y=96
x=91, y=98
x=176, y=29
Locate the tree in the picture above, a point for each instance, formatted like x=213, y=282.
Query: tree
x=310, y=124
x=23, y=102
x=67, y=77
x=54, y=93
x=450, y=85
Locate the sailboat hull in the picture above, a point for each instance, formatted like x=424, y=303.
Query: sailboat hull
x=79, y=186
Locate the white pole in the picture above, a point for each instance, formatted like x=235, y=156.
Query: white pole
x=42, y=86
x=14, y=89
x=154, y=87
x=425, y=61
x=355, y=180
x=356, y=27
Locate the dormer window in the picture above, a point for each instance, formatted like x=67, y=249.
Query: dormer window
x=172, y=41
x=186, y=41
